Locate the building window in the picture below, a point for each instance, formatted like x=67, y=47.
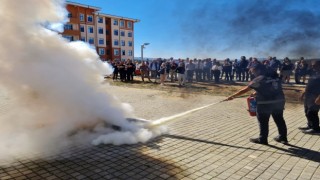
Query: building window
x=116, y=52
x=107, y=43
x=107, y=31
x=89, y=18
x=129, y=34
x=81, y=28
x=83, y=39
x=115, y=22
x=130, y=53
x=91, y=40
x=129, y=24
x=123, y=43
x=69, y=15
x=81, y=17
x=116, y=32
x=90, y=29
x=123, y=52
x=70, y=38
x=68, y=27
x=100, y=30
x=101, y=41
x=121, y=23
x=130, y=43
x=101, y=51
x=108, y=52
x=116, y=43
x=100, y=20
x=122, y=33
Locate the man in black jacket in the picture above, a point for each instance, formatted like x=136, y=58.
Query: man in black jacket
x=270, y=101
x=311, y=97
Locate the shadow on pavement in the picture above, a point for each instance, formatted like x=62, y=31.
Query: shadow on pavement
x=208, y=142
x=101, y=162
x=291, y=151
x=300, y=152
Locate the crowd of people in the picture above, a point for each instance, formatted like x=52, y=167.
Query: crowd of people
x=266, y=78
x=188, y=70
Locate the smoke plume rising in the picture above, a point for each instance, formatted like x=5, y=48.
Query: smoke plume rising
x=54, y=86
x=255, y=27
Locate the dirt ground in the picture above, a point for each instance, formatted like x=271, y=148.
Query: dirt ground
x=292, y=92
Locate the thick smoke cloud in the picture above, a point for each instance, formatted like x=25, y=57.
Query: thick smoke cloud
x=258, y=27
x=54, y=87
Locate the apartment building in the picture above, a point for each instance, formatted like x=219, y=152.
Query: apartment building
x=112, y=36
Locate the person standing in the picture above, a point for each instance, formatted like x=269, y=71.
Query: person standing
x=270, y=102
x=162, y=72
x=199, y=69
x=180, y=73
x=237, y=70
x=154, y=68
x=115, y=70
x=286, y=70
x=243, y=68
x=207, y=65
x=227, y=66
x=173, y=67
x=144, y=71
x=190, y=67
x=130, y=67
x=216, y=71
x=311, y=97
x=121, y=67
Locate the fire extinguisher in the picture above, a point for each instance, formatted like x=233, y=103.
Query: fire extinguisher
x=252, y=105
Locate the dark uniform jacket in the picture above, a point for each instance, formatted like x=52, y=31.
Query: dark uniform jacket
x=312, y=91
x=269, y=90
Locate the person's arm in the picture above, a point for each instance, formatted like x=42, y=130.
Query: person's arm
x=239, y=93
x=317, y=101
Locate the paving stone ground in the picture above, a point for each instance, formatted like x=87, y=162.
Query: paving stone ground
x=208, y=144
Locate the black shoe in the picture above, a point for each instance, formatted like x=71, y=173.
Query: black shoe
x=304, y=128
x=311, y=131
x=258, y=141
x=281, y=140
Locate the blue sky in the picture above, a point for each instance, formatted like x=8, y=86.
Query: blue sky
x=221, y=28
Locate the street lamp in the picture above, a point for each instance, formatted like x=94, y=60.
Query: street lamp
x=142, y=47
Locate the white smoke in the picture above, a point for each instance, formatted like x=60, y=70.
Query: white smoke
x=55, y=86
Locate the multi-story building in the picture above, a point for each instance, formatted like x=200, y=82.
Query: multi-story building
x=111, y=35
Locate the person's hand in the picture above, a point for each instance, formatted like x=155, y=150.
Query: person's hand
x=229, y=98
x=254, y=94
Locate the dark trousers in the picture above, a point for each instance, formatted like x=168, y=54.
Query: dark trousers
x=129, y=75
x=264, y=111
x=206, y=74
x=198, y=74
x=311, y=113
x=190, y=75
x=297, y=78
x=245, y=75
x=228, y=75
x=123, y=75
x=115, y=75
x=216, y=74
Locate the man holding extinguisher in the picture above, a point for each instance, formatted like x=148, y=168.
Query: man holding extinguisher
x=270, y=101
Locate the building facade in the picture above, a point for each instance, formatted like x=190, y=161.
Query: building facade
x=112, y=36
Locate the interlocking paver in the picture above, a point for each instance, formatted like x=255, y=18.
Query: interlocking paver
x=208, y=144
